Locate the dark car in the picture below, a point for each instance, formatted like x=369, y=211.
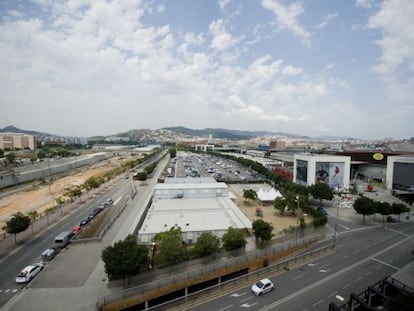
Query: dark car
x=323, y=211
x=84, y=222
x=391, y=219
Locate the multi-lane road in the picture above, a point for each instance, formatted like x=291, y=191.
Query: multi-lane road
x=31, y=251
x=363, y=257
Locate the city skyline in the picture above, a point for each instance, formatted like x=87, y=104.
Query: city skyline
x=86, y=68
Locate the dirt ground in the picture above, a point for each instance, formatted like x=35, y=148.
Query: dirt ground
x=40, y=198
x=270, y=214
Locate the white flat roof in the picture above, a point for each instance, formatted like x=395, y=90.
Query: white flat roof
x=194, y=214
x=174, y=186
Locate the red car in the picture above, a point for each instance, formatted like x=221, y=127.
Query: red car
x=76, y=230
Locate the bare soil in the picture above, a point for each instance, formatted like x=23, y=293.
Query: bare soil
x=270, y=214
x=44, y=196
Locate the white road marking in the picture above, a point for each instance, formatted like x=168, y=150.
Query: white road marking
x=225, y=308
x=386, y=264
x=339, y=298
x=347, y=285
x=334, y=293
x=248, y=298
x=237, y=294
x=316, y=303
x=298, y=277
x=246, y=305
x=323, y=271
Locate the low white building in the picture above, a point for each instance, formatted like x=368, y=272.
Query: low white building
x=202, y=206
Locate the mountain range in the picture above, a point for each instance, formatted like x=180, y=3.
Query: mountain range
x=219, y=133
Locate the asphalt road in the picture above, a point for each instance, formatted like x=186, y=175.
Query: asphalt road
x=363, y=257
x=31, y=251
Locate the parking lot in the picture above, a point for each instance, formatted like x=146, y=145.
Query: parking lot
x=222, y=170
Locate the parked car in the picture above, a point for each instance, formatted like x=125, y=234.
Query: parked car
x=97, y=210
x=76, y=230
x=262, y=287
x=391, y=219
x=29, y=272
x=91, y=216
x=84, y=222
x=323, y=211
x=49, y=254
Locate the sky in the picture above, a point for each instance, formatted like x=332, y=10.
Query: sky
x=309, y=67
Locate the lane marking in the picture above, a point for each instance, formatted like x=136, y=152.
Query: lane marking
x=245, y=299
x=340, y=298
x=225, y=308
x=385, y=264
x=298, y=277
x=316, y=303
x=347, y=285
x=358, y=279
x=330, y=277
x=246, y=305
x=237, y=294
x=333, y=293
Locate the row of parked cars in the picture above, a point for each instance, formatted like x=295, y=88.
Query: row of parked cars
x=61, y=241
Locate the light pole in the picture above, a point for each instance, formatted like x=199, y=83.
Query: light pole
x=297, y=201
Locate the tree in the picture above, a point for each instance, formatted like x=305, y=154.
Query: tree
x=383, y=208
x=10, y=157
x=399, y=208
x=33, y=215
x=364, y=206
x=75, y=192
x=280, y=204
x=321, y=191
x=170, y=247
x=125, y=258
x=173, y=152
x=262, y=230
x=91, y=183
x=17, y=223
x=249, y=194
x=141, y=176
x=233, y=239
x=207, y=243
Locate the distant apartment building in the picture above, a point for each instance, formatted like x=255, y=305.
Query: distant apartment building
x=13, y=141
x=277, y=145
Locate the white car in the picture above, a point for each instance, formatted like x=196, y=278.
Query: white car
x=28, y=273
x=262, y=287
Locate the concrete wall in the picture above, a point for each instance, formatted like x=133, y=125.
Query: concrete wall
x=46, y=169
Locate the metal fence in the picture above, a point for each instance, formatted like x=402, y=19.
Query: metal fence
x=221, y=263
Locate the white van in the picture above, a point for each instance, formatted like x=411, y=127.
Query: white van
x=63, y=239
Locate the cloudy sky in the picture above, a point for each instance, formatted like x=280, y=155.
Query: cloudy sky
x=310, y=67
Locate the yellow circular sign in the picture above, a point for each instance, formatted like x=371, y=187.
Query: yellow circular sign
x=378, y=156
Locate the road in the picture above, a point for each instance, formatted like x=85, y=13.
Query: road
x=32, y=250
x=55, y=288
x=363, y=257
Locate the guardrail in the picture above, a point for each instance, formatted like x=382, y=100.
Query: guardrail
x=220, y=265
x=231, y=285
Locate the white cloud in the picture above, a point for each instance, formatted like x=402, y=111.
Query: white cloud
x=286, y=17
x=326, y=19
x=223, y=3
x=221, y=40
x=396, y=65
x=364, y=3
x=292, y=71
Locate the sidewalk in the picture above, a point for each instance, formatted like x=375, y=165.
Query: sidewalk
x=86, y=281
